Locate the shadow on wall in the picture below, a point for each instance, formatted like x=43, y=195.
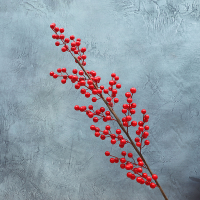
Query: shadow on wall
x=196, y=185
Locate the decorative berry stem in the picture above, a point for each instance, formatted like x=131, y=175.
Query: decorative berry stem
x=122, y=127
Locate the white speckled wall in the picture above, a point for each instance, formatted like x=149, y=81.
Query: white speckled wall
x=48, y=151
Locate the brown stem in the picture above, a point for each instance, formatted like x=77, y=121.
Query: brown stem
x=122, y=127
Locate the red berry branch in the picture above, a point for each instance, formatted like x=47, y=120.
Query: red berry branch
x=89, y=84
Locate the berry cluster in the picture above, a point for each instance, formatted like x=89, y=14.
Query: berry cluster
x=135, y=167
x=74, y=44
x=89, y=84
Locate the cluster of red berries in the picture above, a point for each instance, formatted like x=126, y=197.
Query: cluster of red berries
x=136, y=168
x=90, y=87
x=74, y=44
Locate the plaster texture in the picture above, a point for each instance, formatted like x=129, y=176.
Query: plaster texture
x=48, y=151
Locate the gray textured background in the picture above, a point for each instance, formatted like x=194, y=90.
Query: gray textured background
x=47, y=149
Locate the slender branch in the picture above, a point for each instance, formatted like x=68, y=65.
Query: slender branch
x=122, y=127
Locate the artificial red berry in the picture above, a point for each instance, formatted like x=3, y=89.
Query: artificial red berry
x=118, y=131
x=121, y=145
x=87, y=94
x=124, y=111
x=154, y=177
x=73, y=44
x=62, y=30
x=145, y=134
x=152, y=185
x=94, y=99
x=140, y=128
x=122, y=166
x=98, y=112
x=52, y=26
x=113, y=136
x=148, y=178
x=138, y=179
x=128, y=94
x=108, y=99
x=108, y=117
x=139, y=159
x=144, y=175
x=133, y=177
x=116, y=160
x=122, y=160
x=107, y=112
x=65, y=76
x=76, y=107
x=146, y=142
x=116, y=78
x=137, y=139
x=123, y=141
x=129, y=174
x=56, y=29
x=78, y=39
x=54, y=36
x=55, y=76
x=77, y=86
x=63, y=49
x=120, y=137
x=140, y=163
x=123, y=153
x=61, y=36
x=112, y=160
x=134, y=123
x=51, y=73
x=97, y=134
x=95, y=119
x=138, y=144
x=105, y=132
x=133, y=105
x=125, y=124
x=67, y=40
x=113, y=141
x=130, y=155
x=105, y=91
x=114, y=91
x=118, y=85
x=83, y=49
x=142, y=181
x=91, y=115
x=78, y=43
x=107, y=127
x=72, y=37
x=146, y=116
x=133, y=90
x=129, y=100
x=90, y=106
x=99, y=91
x=57, y=37
x=111, y=83
x=143, y=111
x=116, y=100
x=107, y=153
x=140, y=123
x=139, y=169
x=94, y=91
x=84, y=57
x=146, y=127
x=147, y=182
x=132, y=111
x=92, y=127
x=57, y=43
x=138, y=132
x=103, y=137
x=128, y=118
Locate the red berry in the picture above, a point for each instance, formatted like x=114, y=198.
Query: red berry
x=63, y=69
x=73, y=44
x=116, y=160
x=128, y=94
x=129, y=100
x=138, y=132
x=105, y=91
x=108, y=99
x=132, y=111
x=139, y=169
x=146, y=127
x=140, y=128
x=113, y=75
x=95, y=119
x=99, y=91
x=77, y=86
x=112, y=160
x=123, y=141
x=139, y=159
x=91, y=115
x=134, y=123
x=52, y=26
x=101, y=87
x=67, y=40
x=103, y=137
x=118, y=131
x=62, y=30
x=128, y=118
x=146, y=142
x=140, y=163
x=152, y=185
x=114, y=91
x=116, y=78
x=51, y=73
x=129, y=174
x=123, y=153
x=113, y=141
x=97, y=134
x=90, y=107
x=143, y=111
x=122, y=160
x=124, y=111
x=154, y=177
x=145, y=134
x=142, y=181
x=94, y=91
x=138, y=144
x=57, y=43
x=146, y=116
x=108, y=117
x=107, y=112
x=147, y=182
x=94, y=99
x=122, y=166
x=72, y=37
x=140, y=123
x=63, y=49
x=78, y=43
x=107, y=153
x=121, y=145
x=83, y=49
x=111, y=82
x=144, y=175
x=98, y=112
x=133, y=90
x=105, y=132
x=61, y=36
x=133, y=105
x=138, y=179
x=84, y=57
x=57, y=37
x=55, y=76
x=107, y=127
x=54, y=36
x=56, y=29
x=125, y=124
x=87, y=94
x=78, y=39
x=65, y=76
x=116, y=100
x=102, y=109
x=133, y=177
x=148, y=178
x=76, y=107
x=130, y=155
x=137, y=139
x=118, y=85
x=83, y=91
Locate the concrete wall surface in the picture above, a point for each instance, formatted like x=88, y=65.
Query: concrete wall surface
x=48, y=151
